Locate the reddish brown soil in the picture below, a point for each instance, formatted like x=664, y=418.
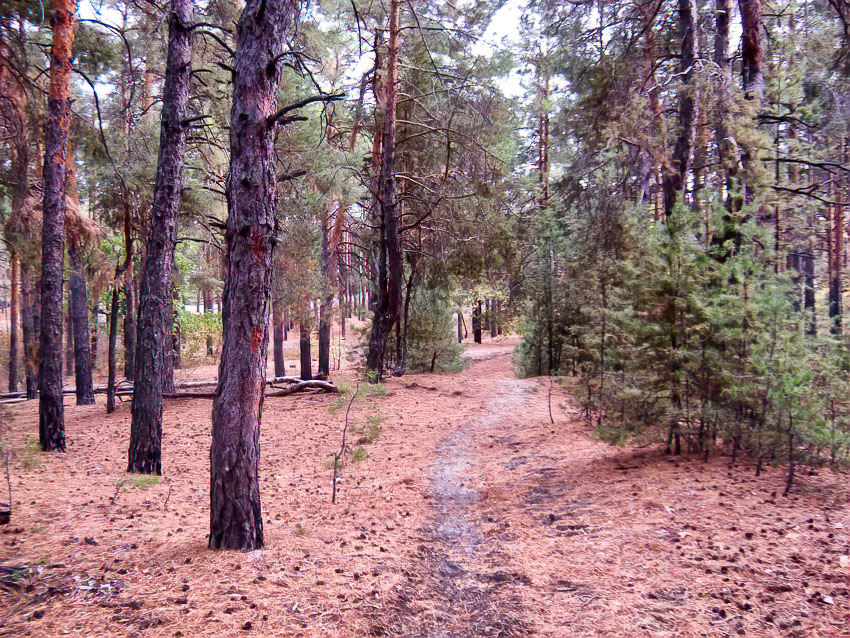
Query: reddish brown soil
x=471, y=516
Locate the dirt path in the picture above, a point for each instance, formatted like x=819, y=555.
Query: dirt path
x=453, y=589
x=467, y=514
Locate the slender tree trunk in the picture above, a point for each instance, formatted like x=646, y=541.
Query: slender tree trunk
x=460, y=326
x=30, y=325
x=111, y=371
x=129, y=324
x=278, y=331
x=476, y=322
x=51, y=408
x=78, y=307
x=156, y=307
x=325, y=309
x=808, y=259
x=94, y=335
x=304, y=350
x=79, y=313
x=69, y=336
x=13, y=325
x=235, y=513
x=837, y=261
x=208, y=307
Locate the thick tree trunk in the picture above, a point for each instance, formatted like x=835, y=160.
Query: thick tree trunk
x=51, y=409
x=13, y=325
x=79, y=313
x=154, y=353
x=676, y=174
x=278, y=330
x=235, y=513
x=30, y=325
x=304, y=350
x=391, y=266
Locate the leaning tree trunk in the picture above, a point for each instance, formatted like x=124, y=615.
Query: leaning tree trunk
x=51, y=409
x=153, y=331
x=235, y=513
x=391, y=267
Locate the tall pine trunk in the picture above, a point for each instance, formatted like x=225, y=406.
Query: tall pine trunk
x=235, y=513
x=390, y=266
x=154, y=343
x=78, y=308
x=675, y=176
x=51, y=409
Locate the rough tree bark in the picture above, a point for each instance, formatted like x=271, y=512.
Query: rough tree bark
x=51, y=426
x=154, y=344
x=390, y=266
x=235, y=512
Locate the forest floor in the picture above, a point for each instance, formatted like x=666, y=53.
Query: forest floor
x=468, y=514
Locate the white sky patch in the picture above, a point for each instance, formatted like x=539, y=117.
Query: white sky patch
x=504, y=30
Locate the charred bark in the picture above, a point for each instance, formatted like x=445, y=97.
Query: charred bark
x=51, y=409
x=154, y=352
x=235, y=512
x=390, y=267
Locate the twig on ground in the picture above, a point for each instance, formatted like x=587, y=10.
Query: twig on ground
x=343, y=446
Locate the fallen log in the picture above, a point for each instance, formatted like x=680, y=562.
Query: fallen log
x=301, y=386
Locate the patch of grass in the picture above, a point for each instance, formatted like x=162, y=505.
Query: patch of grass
x=378, y=389
x=32, y=453
x=139, y=481
x=372, y=429
x=358, y=454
